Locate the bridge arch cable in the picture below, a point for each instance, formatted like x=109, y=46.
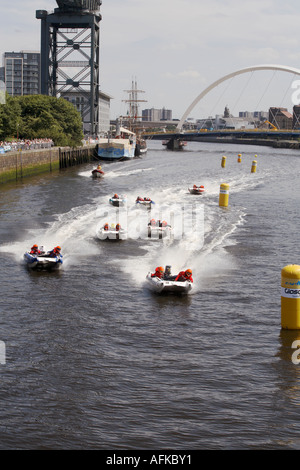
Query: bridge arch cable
x=266, y=89
x=289, y=87
x=217, y=102
x=284, y=68
x=241, y=93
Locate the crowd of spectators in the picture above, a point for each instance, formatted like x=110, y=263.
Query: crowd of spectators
x=26, y=144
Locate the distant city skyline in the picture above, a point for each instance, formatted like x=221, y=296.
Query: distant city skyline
x=174, y=50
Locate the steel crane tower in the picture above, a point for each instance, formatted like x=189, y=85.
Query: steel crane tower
x=70, y=55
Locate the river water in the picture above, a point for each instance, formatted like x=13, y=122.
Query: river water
x=91, y=359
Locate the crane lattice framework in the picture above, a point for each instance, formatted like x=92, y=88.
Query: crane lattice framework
x=70, y=55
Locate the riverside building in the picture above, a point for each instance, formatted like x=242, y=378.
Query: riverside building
x=21, y=73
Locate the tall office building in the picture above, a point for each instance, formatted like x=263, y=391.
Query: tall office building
x=156, y=114
x=22, y=73
x=81, y=102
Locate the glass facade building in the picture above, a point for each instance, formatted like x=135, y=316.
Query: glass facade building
x=22, y=73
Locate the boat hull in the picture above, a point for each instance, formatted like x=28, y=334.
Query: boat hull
x=158, y=233
x=140, y=148
x=196, y=191
x=42, y=262
x=111, y=234
x=145, y=204
x=116, y=149
x=117, y=202
x=166, y=286
x=97, y=173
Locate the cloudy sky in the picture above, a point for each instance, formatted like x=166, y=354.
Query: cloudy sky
x=174, y=49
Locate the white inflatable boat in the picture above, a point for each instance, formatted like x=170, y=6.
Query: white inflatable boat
x=165, y=286
x=118, y=201
x=158, y=232
x=144, y=202
x=196, y=189
x=43, y=262
x=111, y=233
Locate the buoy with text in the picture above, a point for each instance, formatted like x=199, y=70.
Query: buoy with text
x=253, y=167
x=239, y=158
x=290, y=297
x=223, y=163
x=224, y=195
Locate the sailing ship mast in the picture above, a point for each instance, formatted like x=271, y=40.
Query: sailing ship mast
x=133, y=101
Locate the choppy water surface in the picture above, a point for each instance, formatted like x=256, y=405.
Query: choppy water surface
x=96, y=361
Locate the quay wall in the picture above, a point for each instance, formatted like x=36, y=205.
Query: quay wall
x=291, y=144
x=20, y=164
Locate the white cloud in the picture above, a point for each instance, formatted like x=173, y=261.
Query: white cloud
x=175, y=45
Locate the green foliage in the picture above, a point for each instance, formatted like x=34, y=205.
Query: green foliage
x=41, y=116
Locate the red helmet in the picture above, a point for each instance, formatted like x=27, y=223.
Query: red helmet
x=188, y=272
x=159, y=269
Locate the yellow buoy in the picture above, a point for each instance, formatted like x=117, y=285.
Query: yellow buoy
x=253, y=167
x=223, y=162
x=239, y=158
x=224, y=195
x=290, y=297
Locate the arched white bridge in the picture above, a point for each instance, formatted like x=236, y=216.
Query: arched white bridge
x=282, y=68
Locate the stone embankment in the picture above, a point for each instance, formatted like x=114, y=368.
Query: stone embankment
x=289, y=144
x=20, y=164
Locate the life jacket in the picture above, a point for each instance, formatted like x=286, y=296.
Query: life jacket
x=157, y=274
x=183, y=277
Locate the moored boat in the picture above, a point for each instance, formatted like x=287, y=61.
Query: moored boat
x=121, y=147
x=141, y=147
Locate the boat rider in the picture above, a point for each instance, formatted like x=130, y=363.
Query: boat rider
x=118, y=226
x=99, y=167
x=184, y=276
x=55, y=252
x=159, y=272
x=106, y=226
x=34, y=250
